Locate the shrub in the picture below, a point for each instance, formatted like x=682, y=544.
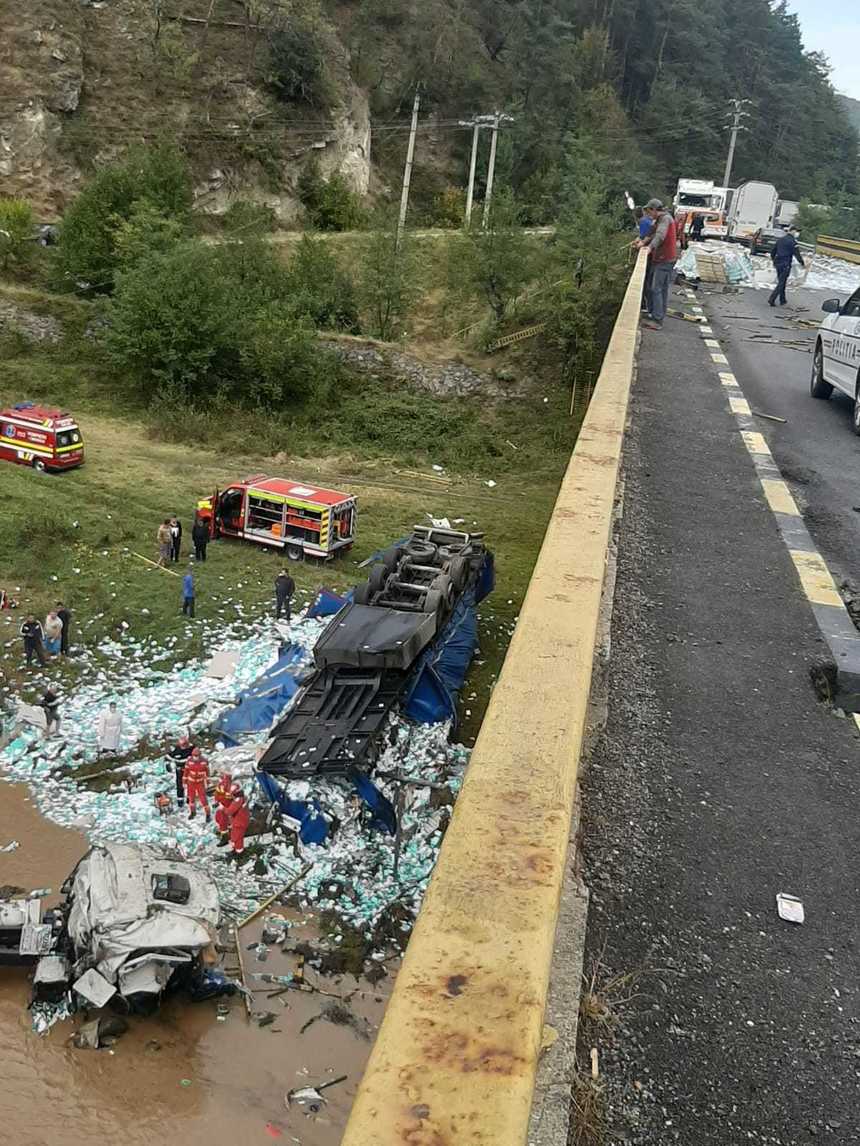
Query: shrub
x=331, y=204
x=299, y=51
x=87, y=253
x=495, y=262
x=448, y=209
x=246, y=219
x=320, y=289
x=388, y=281
x=17, y=227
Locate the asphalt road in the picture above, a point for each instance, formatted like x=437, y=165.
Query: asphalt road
x=719, y=782
x=816, y=449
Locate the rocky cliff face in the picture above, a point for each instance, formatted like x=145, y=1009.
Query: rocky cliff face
x=82, y=79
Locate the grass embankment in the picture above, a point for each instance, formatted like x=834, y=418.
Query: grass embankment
x=72, y=536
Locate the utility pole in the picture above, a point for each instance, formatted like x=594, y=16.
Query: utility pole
x=470, y=193
x=407, y=171
x=491, y=170
x=736, y=126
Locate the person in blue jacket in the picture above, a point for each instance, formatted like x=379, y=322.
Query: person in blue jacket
x=188, y=593
x=785, y=251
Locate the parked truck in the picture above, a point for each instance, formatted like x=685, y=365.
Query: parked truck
x=700, y=197
x=754, y=209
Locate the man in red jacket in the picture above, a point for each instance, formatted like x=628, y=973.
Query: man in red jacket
x=662, y=245
x=240, y=817
x=195, y=776
x=223, y=798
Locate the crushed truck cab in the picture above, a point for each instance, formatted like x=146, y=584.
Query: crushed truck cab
x=300, y=518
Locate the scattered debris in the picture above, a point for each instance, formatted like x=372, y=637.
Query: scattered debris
x=770, y=417
x=790, y=908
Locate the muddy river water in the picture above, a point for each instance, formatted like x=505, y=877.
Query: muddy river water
x=183, y=1075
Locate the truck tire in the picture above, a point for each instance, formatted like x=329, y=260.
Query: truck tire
x=38, y=465
x=295, y=552
x=423, y=552
x=458, y=571
x=361, y=594
x=377, y=577
x=818, y=388
x=433, y=602
x=443, y=585
x=391, y=557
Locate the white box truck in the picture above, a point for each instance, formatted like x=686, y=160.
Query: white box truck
x=753, y=210
x=786, y=212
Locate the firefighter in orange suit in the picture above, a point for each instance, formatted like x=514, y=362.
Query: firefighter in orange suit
x=240, y=817
x=223, y=798
x=195, y=777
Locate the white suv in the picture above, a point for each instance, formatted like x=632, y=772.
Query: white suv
x=837, y=353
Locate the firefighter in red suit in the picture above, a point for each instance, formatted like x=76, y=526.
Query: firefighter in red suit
x=239, y=819
x=195, y=777
x=223, y=798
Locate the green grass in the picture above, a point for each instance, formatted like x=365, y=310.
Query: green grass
x=73, y=536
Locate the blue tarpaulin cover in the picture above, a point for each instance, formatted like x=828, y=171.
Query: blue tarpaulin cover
x=267, y=697
x=327, y=604
x=384, y=817
x=314, y=826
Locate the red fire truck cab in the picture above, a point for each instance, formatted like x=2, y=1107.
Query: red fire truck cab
x=293, y=516
x=41, y=437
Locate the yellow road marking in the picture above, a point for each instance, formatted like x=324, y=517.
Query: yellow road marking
x=739, y=405
x=778, y=496
x=815, y=578
x=755, y=442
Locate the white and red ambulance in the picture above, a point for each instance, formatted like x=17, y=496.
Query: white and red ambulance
x=40, y=436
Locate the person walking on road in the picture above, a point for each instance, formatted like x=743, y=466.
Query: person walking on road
x=784, y=253
x=188, y=593
x=164, y=541
x=662, y=245
x=285, y=586
x=65, y=616
x=33, y=636
x=175, y=538
x=110, y=730
x=200, y=537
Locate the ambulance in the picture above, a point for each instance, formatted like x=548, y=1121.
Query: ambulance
x=40, y=436
x=299, y=518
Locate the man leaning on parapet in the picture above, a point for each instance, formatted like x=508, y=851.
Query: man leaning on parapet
x=662, y=246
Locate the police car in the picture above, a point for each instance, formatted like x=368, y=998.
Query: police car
x=836, y=364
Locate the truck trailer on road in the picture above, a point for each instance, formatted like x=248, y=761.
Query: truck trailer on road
x=754, y=209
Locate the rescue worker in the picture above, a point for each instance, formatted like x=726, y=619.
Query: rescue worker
x=698, y=225
x=662, y=245
x=65, y=616
x=50, y=704
x=240, y=817
x=200, y=537
x=33, y=636
x=285, y=586
x=179, y=755
x=195, y=775
x=784, y=253
x=223, y=798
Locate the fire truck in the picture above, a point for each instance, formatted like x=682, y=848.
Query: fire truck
x=40, y=436
x=290, y=515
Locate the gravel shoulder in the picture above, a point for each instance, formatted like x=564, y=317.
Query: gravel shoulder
x=718, y=782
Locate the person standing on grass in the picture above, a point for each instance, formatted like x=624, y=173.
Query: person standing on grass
x=164, y=541
x=33, y=636
x=175, y=538
x=110, y=730
x=53, y=630
x=285, y=586
x=65, y=616
x=200, y=537
x=188, y=593
x=662, y=246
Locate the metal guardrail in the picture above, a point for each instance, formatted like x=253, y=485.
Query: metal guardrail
x=455, y=1059
x=838, y=248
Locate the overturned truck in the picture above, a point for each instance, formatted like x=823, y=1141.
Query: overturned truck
x=407, y=637
x=133, y=923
